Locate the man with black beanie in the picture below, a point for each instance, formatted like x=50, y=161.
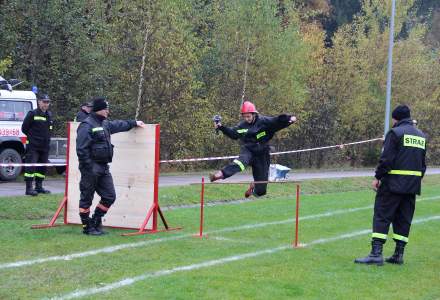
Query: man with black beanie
x=95, y=152
x=397, y=181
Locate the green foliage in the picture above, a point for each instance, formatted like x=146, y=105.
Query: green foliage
x=51, y=45
x=5, y=64
x=358, y=62
x=323, y=60
x=251, y=32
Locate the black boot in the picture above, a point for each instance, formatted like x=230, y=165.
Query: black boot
x=39, y=187
x=216, y=176
x=96, y=221
x=29, y=189
x=397, y=257
x=375, y=257
x=87, y=226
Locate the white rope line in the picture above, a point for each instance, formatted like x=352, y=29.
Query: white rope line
x=340, y=146
x=5, y=165
x=141, y=72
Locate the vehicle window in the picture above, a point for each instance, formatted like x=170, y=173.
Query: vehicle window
x=14, y=110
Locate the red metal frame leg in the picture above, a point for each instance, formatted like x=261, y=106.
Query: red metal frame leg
x=297, y=216
x=154, y=209
x=202, y=206
x=62, y=205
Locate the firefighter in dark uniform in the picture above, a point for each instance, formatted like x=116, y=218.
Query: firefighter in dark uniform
x=397, y=181
x=95, y=152
x=37, y=125
x=84, y=112
x=254, y=133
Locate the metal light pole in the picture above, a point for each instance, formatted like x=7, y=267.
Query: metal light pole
x=390, y=68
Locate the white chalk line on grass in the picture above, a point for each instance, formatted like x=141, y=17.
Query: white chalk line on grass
x=132, y=280
x=233, y=202
x=112, y=249
x=225, y=239
x=89, y=253
x=215, y=262
x=310, y=217
x=362, y=232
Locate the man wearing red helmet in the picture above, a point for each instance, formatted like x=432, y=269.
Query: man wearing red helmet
x=254, y=133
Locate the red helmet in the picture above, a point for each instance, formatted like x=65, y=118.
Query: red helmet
x=248, y=107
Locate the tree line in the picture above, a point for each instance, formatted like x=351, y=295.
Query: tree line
x=323, y=60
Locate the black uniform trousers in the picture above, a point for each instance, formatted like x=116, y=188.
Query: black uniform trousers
x=34, y=156
x=96, y=178
x=392, y=208
x=259, y=161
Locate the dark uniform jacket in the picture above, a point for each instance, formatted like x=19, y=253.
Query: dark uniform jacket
x=93, y=141
x=256, y=136
x=37, y=126
x=402, y=162
x=81, y=116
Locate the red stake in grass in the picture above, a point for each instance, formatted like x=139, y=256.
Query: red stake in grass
x=202, y=204
x=295, y=245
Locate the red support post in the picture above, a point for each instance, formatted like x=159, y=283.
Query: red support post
x=156, y=176
x=147, y=218
x=297, y=216
x=63, y=204
x=66, y=187
x=202, y=204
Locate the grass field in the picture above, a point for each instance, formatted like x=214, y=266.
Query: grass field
x=247, y=254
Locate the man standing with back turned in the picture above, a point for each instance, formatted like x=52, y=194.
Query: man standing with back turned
x=398, y=180
x=95, y=152
x=84, y=112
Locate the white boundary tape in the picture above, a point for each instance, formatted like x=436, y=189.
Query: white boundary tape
x=112, y=249
x=3, y=165
x=275, y=153
x=203, y=158
x=210, y=263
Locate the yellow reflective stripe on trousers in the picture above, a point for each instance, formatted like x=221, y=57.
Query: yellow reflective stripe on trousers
x=239, y=163
x=400, y=238
x=261, y=134
x=414, y=141
x=405, y=172
x=38, y=118
x=242, y=130
x=29, y=175
x=379, y=235
x=97, y=129
x=39, y=175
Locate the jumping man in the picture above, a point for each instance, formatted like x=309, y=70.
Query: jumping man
x=254, y=132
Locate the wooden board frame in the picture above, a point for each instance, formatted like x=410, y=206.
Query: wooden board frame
x=149, y=223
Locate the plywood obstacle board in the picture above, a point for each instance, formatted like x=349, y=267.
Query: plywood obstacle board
x=135, y=171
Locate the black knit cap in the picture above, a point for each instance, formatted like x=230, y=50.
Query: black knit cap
x=88, y=104
x=401, y=112
x=100, y=103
